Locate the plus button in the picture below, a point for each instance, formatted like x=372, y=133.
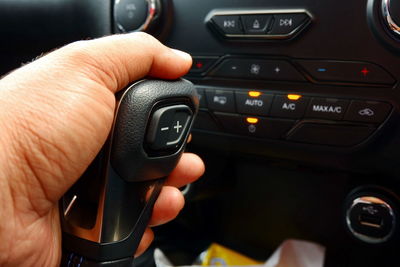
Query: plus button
x=178, y=127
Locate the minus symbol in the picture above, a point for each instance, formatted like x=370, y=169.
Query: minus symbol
x=165, y=129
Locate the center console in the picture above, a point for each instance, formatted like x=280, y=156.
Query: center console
x=309, y=86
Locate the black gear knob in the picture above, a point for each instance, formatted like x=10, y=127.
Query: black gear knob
x=105, y=213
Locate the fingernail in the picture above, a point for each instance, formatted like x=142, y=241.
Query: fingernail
x=182, y=54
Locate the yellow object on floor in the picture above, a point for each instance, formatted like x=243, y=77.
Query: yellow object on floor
x=217, y=255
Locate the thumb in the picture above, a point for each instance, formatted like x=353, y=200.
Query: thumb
x=56, y=112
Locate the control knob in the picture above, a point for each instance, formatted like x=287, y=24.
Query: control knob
x=391, y=16
x=135, y=15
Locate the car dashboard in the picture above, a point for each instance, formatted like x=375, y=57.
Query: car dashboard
x=298, y=122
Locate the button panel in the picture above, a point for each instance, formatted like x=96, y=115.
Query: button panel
x=276, y=24
x=168, y=126
x=316, y=71
x=257, y=69
x=346, y=71
x=294, y=117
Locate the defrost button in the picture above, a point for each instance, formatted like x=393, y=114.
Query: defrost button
x=221, y=100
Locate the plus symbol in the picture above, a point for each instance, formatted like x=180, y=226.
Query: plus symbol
x=365, y=71
x=178, y=127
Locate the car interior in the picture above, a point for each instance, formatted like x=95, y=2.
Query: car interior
x=298, y=123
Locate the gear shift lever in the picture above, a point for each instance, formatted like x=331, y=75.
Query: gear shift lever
x=105, y=213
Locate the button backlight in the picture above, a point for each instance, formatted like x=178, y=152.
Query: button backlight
x=254, y=94
x=293, y=97
x=252, y=120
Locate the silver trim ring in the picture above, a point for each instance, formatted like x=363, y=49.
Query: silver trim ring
x=388, y=17
x=152, y=12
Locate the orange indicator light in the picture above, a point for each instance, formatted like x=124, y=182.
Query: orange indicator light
x=254, y=94
x=293, y=97
x=252, y=120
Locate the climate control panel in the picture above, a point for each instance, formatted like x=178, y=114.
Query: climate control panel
x=356, y=73
x=294, y=117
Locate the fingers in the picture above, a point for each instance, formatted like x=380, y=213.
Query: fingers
x=168, y=205
x=147, y=238
x=171, y=201
x=189, y=169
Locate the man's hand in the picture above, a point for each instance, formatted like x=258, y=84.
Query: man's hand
x=55, y=115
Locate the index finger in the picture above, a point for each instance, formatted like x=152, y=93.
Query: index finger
x=188, y=170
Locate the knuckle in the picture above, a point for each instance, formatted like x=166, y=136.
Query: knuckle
x=144, y=36
x=91, y=59
x=146, y=40
x=77, y=52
